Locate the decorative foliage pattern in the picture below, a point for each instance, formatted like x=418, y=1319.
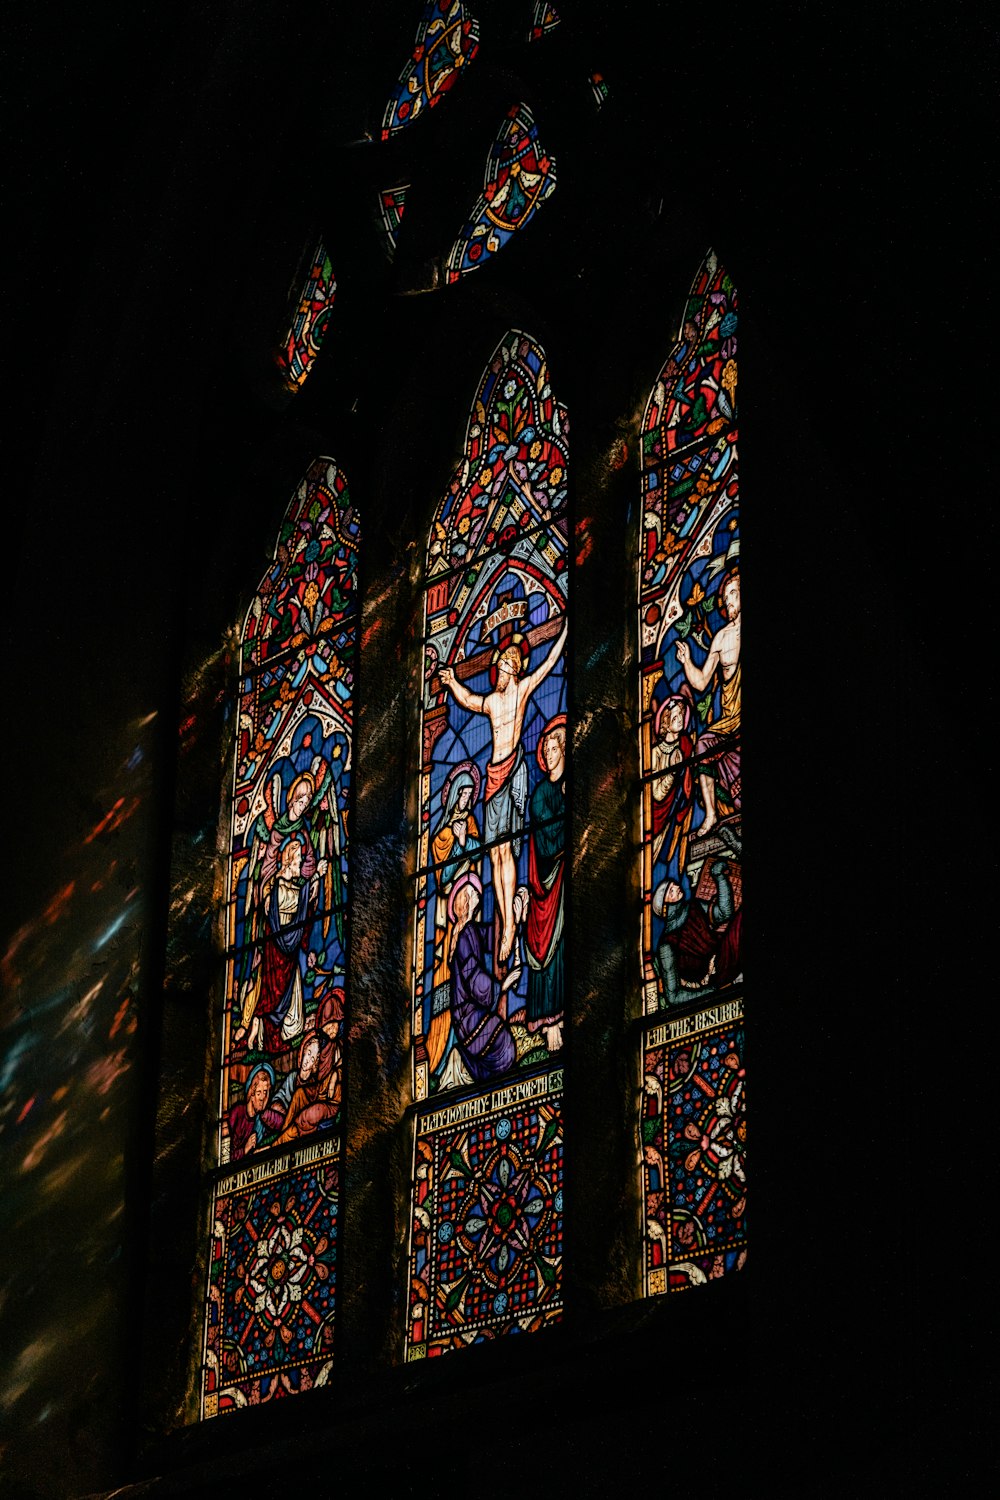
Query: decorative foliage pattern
x=695, y=395
x=488, y=934
x=288, y=866
x=520, y=175
x=447, y=41
x=690, y=683
x=546, y=18
x=486, y=1236
x=391, y=202
x=308, y=590
x=309, y=321
x=270, y=1308
x=694, y=1149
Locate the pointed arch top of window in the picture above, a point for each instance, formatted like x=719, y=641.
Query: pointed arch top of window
x=545, y=19
x=310, y=317
x=520, y=175
x=695, y=395
x=516, y=428
x=447, y=41
x=309, y=590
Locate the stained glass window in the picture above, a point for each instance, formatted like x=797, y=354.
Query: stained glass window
x=546, y=18
x=489, y=901
x=694, y=1147
x=691, y=822
x=520, y=175
x=391, y=202
x=599, y=89
x=447, y=41
x=269, y=1315
x=309, y=320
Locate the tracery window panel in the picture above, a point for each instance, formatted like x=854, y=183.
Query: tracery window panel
x=690, y=632
x=545, y=18
x=309, y=319
x=446, y=43
x=285, y=918
x=520, y=175
x=488, y=947
x=391, y=203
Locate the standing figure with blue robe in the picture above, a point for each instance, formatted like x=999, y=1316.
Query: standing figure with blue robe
x=455, y=847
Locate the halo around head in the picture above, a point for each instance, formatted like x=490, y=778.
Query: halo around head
x=516, y=642
x=304, y=779
x=673, y=698
x=557, y=722
x=467, y=767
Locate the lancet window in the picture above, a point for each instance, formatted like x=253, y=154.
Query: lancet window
x=489, y=956
x=690, y=631
x=446, y=43
x=270, y=1306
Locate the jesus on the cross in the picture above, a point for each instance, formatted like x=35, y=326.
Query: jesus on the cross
x=505, y=795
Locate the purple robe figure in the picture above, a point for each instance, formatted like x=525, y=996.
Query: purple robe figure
x=485, y=1039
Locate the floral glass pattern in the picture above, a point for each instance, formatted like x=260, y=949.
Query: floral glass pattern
x=690, y=631
x=486, y=1237
x=309, y=321
x=694, y=1149
x=447, y=41
x=520, y=175
x=488, y=938
x=272, y=1283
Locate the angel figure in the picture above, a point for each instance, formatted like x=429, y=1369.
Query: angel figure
x=294, y=869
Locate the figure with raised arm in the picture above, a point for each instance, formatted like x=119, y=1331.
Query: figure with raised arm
x=506, y=793
x=723, y=658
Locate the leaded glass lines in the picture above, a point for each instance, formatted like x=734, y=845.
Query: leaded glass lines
x=690, y=695
x=447, y=41
x=270, y=1306
x=520, y=176
x=391, y=203
x=488, y=954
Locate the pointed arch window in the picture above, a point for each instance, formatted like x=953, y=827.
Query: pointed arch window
x=690, y=626
x=270, y=1305
x=489, y=900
